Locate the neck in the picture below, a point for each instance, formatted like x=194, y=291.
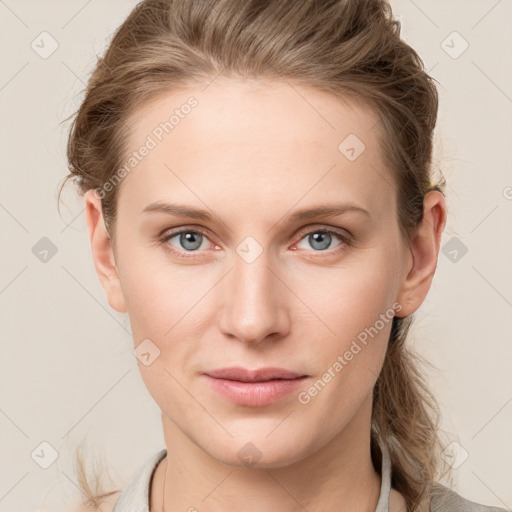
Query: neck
x=341, y=472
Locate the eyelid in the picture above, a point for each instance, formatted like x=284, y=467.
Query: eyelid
x=168, y=232
x=314, y=228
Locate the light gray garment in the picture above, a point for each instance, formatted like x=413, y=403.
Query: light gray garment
x=135, y=497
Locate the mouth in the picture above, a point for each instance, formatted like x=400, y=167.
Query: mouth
x=254, y=388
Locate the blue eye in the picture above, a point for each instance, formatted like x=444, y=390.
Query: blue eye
x=321, y=239
x=190, y=241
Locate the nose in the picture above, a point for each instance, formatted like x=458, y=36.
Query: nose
x=255, y=305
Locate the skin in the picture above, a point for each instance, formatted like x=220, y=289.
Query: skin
x=252, y=153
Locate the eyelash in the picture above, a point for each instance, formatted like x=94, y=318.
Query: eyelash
x=346, y=240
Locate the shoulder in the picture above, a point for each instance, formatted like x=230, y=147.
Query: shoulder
x=444, y=499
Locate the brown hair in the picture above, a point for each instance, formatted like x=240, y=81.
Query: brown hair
x=349, y=48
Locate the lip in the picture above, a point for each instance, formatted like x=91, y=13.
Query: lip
x=254, y=388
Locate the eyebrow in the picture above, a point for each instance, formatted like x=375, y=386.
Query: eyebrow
x=323, y=210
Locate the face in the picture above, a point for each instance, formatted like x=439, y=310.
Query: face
x=290, y=258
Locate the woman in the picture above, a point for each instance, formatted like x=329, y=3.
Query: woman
x=259, y=200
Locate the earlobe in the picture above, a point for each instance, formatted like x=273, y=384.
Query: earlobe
x=424, y=251
x=102, y=252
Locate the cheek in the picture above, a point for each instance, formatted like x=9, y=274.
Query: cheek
x=157, y=293
x=350, y=298
x=163, y=307
x=170, y=306
x=355, y=306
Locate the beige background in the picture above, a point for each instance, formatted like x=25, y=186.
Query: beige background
x=67, y=368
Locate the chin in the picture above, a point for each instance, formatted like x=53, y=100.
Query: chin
x=256, y=449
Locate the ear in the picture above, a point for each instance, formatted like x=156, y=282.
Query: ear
x=424, y=250
x=102, y=251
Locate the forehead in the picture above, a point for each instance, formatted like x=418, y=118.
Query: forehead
x=260, y=142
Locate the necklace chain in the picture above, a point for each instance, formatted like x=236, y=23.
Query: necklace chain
x=165, y=480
